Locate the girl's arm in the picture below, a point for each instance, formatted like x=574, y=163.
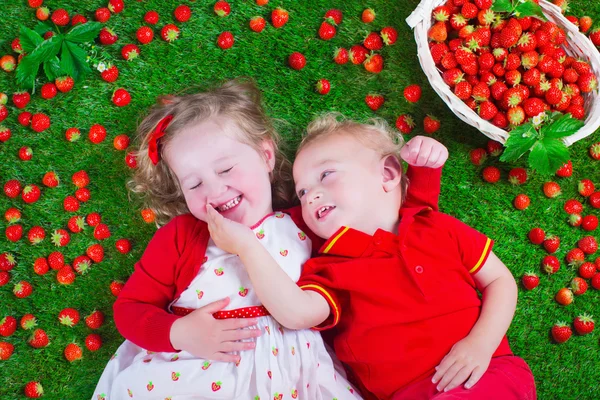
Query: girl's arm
x=291, y=306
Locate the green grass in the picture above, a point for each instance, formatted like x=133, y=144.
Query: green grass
x=561, y=371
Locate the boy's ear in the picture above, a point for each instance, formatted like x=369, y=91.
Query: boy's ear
x=391, y=173
x=268, y=153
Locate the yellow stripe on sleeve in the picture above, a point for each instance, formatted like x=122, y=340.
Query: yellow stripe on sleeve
x=483, y=255
x=335, y=239
x=319, y=289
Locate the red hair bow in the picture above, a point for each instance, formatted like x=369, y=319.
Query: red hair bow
x=159, y=132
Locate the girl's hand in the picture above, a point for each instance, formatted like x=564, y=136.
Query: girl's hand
x=228, y=235
x=200, y=334
x=468, y=359
x=423, y=151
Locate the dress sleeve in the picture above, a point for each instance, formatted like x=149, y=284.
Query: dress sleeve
x=140, y=310
x=318, y=277
x=474, y=247
x=424, y=187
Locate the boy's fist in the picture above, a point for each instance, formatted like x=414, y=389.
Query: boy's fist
x=423, y=151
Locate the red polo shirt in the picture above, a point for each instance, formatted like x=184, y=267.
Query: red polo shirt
x=400, y=302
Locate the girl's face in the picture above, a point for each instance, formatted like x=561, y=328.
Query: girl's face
x=213, y=167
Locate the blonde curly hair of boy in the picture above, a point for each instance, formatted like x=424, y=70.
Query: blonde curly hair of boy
x=238, y=100
x=375, y=134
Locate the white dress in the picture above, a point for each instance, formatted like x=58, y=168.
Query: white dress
x=286, y=364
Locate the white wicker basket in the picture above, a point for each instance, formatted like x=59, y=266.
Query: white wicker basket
x=577, y=46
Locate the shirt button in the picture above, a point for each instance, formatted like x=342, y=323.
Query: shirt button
x=419, y=269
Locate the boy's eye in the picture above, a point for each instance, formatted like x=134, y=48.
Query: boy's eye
x=325, y=174
x=225, y=171
x=301, y=193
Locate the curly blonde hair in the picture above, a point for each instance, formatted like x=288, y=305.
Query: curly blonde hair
x=375, y=134
x=238, y=100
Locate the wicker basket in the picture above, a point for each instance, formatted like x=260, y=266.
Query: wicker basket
x=577, y=46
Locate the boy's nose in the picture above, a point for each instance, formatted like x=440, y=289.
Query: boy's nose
x=313, y=196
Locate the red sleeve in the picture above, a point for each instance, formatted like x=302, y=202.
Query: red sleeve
x=474, y=247
x=140, y=310
x=424, y=187
x=318, y=277
x=296, y=214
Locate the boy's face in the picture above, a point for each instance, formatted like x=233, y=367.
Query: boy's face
x=340, y=182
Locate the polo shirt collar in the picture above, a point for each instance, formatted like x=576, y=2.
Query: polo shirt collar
x=348, y=242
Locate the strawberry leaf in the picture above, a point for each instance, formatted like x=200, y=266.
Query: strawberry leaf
x=79, y=60
x=67, y=65
x=520, y=140
x=84, y=33
x=46, y=50
x=565, y=125
x=548, y=155
x=42, y=27
x=529, y=9
x=26, y=73
x=502, y=6
x=52, y=68
x=29, y=39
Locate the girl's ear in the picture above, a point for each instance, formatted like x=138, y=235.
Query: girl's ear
x=268, y=153
x=391, y=173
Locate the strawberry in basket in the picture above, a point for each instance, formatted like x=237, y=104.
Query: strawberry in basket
x=513, y=72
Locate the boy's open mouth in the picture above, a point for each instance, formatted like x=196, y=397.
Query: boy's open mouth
x=230, y=204
x=323, y=211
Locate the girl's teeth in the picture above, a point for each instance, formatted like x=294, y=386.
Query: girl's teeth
x=230, y=204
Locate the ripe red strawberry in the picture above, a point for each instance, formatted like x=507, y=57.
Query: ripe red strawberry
x=374, y=63
x=551, y=189
x=182, y=13
x=573, y=206
x=8, y=63
x=564, y=297
x=551, y=244
x=93, y=342
x=389, y=35
x=405, y=123
x=121, y=97
x=21, y=99
x=4, y=114
x=487, y=110
x=579, y=286
x=131, y=51
x=510, y=34
x=222, y=8
x=72, y=352
x=431, y=124
x=373, y=41
x=95, y=252
x=297, y=61
x=95, y=319
x=144, y=34
x=68, y=317
x=107, y=36
x=14, y=232
x=7, y=262
x=491, y=174
x=25, y=153
x=521, y=202
x=589, y=223
x=561, y=332
x=148, y=215
x=22, y=289
x=36, y=234
x=374, y=101
x=33, y=390
x=151, y=17
x=116, y=287
x=111, y=73
x=102, y=14
x=565, y=170
x=517, y=176
x=93, y=219
x=101, y=232
x=50, y=179
x=40, y=266
x=72, y=134
x=65, y=275
x=327, y=31
x=575, y=257
x=56, y=260
x=478, y=156
x=587, y=270
x=6, y=350
x=334, y=16
x=123, y=246
x=585, y=187
x=82, y=194
x=530, y=280
x=257, y=24
x=31, y=193
x=48, y=90
x=70, y=204
x=595, y=151
x=412, y=93
x=588, y=244
x=550, y=264
x=12, y=215
x=5, y=133
x=594, y=200
x=583, y=324
x=28, y=321
x=341, y=56
x=8, y=326
x=585, y=23
x=97, y=133
x=60, y=17
x=64, y=83
x=358, y=54
x=35, y=3
x=279, y=17
x=116, y=6
x=76, y=224
x=60, y=237
x=40, y=122
x=596, y=281
x=81, y=264
x=78, y=19
x=121, y=142
x=438, y=32
x=322, y=86
x=225, y=40
x=368, y=15
x=536, y=236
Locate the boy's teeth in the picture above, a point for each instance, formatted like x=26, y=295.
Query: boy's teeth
x=322, y=210
x=229, y=204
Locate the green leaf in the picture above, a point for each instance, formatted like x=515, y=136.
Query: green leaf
x=520, y=140
x=42, y=27
x=548, y=155
x=52, y=68
x=529, y=9
x=83, y=33
x=29, y=39
x=565, y=125
x=26, y=73
x=67, y=64
x=79, y=60
x=46, y=50
x=502, y=6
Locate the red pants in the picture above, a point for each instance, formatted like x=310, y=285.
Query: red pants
x=507, y=378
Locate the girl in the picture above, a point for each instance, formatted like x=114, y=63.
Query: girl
x=194, y=325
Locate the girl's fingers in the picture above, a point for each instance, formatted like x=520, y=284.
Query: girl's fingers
x=229, y=347
x=475, y=377
x=224, y=357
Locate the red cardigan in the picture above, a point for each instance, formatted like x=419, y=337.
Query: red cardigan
x=173, y=258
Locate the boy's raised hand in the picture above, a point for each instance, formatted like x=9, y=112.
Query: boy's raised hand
x=423, y=151
x=228, y=235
